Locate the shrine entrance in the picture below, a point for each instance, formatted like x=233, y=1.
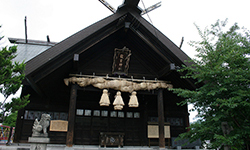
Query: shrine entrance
x=92, y=120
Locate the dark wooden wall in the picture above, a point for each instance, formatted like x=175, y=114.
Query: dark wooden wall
x=54, y=95
x=87, y=128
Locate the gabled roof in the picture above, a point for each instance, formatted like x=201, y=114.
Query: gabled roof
x=150, y=47
x=27, y=51
x=70, y=43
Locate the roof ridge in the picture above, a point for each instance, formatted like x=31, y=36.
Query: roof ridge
x=34, y=42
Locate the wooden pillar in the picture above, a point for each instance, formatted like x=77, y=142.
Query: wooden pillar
x=145, y=123
x=71, y=117
x=19, y=126
x=9, y=136
x=161, y=118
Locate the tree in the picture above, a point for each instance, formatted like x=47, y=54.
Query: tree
x=222, y=99
x=11, y=77
x=11, y=119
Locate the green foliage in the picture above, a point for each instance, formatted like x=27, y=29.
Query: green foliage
x=11, y=120
x=11, y=77
x=222, y=71
x=17, y=103
x=11, y=74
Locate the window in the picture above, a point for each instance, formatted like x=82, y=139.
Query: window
x=153, y=119
x=129, y=115
x=79, y=112
x=120, y=114
x=56, y=115
x=175, y=121
x=63, y=116
x=113, y=114
x=104, y=113
x=87, y=112
x=136, y=115
x=96, y=113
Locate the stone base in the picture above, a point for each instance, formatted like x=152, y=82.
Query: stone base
x=68, y=148
x=38, y=143
x=43, y=135
x=38, y=146
x=39, y=140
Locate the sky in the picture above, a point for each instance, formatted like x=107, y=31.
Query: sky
x=60, y=18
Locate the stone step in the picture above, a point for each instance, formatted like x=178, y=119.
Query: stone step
x=25, y=146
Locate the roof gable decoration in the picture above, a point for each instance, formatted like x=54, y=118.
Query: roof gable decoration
x=131, y=3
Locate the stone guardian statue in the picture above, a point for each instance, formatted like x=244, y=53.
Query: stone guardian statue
x=40, y=127
x=39, y=139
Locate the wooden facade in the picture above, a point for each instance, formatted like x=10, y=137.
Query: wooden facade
x=152, y=53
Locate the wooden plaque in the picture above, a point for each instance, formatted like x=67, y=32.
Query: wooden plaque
x=59, y=125
x=153, y=131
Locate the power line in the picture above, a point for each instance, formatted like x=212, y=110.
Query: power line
x=149, y=19
x=146, y=12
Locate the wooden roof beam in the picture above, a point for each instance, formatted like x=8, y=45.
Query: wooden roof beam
x=130, y=4
x=146, y=66
x=34, y=86
x=164, y=71
x=150, y=44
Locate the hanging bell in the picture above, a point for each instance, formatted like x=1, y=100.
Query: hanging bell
x=118, y=102
x=133, y=102
x=104, y=99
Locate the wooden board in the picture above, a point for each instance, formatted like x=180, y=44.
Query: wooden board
x=59, y=125
x=153, y=131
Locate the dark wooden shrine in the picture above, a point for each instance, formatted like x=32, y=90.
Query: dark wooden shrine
x=91, y=52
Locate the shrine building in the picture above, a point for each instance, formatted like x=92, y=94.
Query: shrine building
x=108, y=85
